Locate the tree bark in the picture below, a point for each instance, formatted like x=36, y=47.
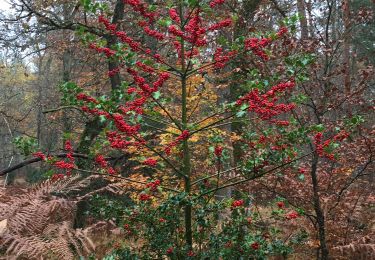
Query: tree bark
x=347, y=41
x=94, y=127
x=186, y=168
x=324, y=253
x=302, y=19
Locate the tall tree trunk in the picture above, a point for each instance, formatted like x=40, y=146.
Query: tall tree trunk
x=67, y=60
x=334, y=21
x=43, y=74
x=67, y=68
x=302, y=19
x=94, y=127
x=308, y=5
x=347, y=42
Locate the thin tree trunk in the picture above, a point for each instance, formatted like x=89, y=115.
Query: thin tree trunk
x=318, y=210
x=185, y=146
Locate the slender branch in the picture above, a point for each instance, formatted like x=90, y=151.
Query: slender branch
x=226, y=123
x=212, y=124
x=214, y=175
x=167, y=112
x=253, y=177
x=123, y=178
x=62, y=108
x=160, y=122
x=210, y=116
x=160, y=129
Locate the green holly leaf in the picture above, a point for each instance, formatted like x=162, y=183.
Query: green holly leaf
x=156, y=94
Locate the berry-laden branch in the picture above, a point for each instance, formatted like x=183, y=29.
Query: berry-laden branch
x=39, y=159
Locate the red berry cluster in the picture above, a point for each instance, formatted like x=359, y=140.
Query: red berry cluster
x=320, y=146
x=257, y=45
x=169, y=251
x=255, y=246
x=142, y=9
x=86, y=98
x=265, y=104
x=118, y=141
x=220, y=59
x=280, y=204
x=150, y=162
x=237, y=203
x=216, y=2
x=153, y=33
x=174, y=15
x=145, y=67
x=218, y=150
x=101, y=161
x=40, y=155
x=341, y=136
x=69, y=164
x=224, y=23
x=144, y=197
x=153, y=185
x=113, y=72
x=57, y=176
x=184, y=135
x=292, y=215
x=61, y=164
x=64, y=165
x=107, y=51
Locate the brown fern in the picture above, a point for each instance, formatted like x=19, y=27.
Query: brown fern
x=362, y=249
x=40, y=225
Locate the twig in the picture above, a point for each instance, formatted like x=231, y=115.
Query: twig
x=122, y=178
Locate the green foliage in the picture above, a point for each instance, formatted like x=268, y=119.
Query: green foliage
x=69, y=91
x=93, y=6
x=354, y=121
x=122, y=253
x=159, y=228
x=26, y=145
x=107, y=208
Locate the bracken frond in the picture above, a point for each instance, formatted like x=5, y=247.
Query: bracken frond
x=36, y=224
x=355, y=251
